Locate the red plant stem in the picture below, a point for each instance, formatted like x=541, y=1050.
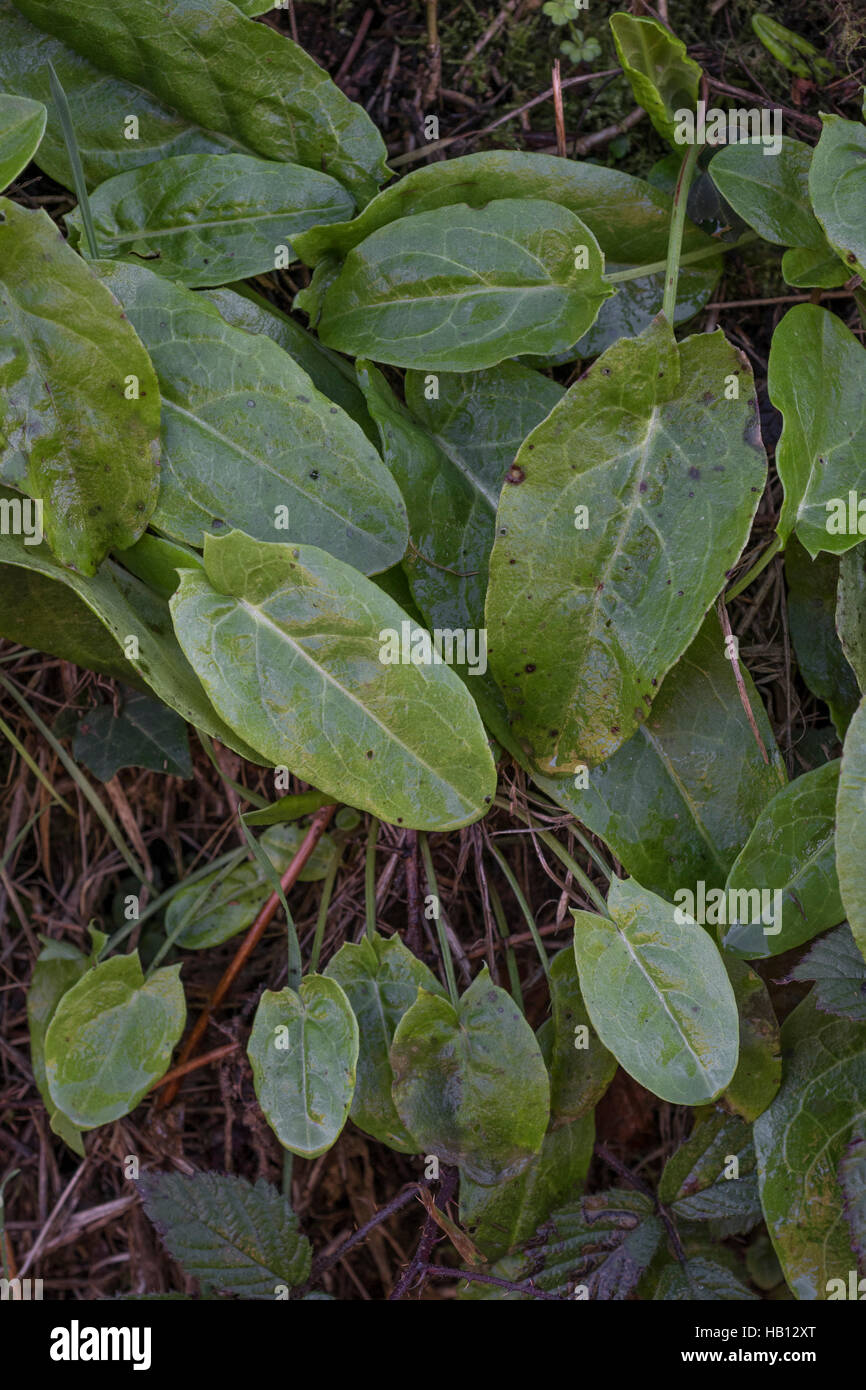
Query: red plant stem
x=193, y=1064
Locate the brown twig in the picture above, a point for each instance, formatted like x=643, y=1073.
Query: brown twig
x=193, y=1064
x=559, y=112
x=351, y=55
x=738, y=676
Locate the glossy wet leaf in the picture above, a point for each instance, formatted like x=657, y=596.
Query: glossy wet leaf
x=813, y=619
x=22, y=124
x=770, y=191
x=235, y=1235
x=229, y=75
x=134, y=619
x=141, y=733
x=637, y=302
x=303, y=1049
x=663, y=78
x=111, y=1037
x=286, y=642
x=69, y=432
x=851, y=611
x=581, y=1068
x=677, y=801
x=791, y=851
x=759, y=1068
x=248, y=441
x=658, y=995
x=837, y=185
x=221, y=905
x=839, y=972
x=851, y=827
x=381, y=979
x=700, y=1182
x=808, y=266
x=470, y=1083
x=820, y=456
x=588, y=609
x=503, y=1217
x=58, y=967
x=203, y=219
x=454, y=288
x=800, y=1141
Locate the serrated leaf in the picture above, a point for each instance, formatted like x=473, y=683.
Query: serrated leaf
x=581, y=1068
x=791, y=852
x=455, y=288
x=839, y=972
x=287, y=643
x=820, y=455
x=229, y=75
x=677, y=801
x=800, y=1140
x=58, y=967
x=771, y=191
x=470, y=1083
x=381, y=979
x=22, y=125
x=203, y=219
x=239, y=1236
x=851, y=827
x=837, y=185
x=658, y=995
x=222, y=905
x=712, y=1176
x=759, y=1068
x=585, y=620
x=851, y=611
x=503, y=1217
x=852, y=1180
x=245, y=433
x=143, y=733
x=111, y=1037
x=68, y=433
x=303, y=1050
x=663, y=78
x=812, y=610
x=701, y=1281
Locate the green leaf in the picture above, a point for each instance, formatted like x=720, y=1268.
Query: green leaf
x=837, y=185
x=290, y=807
x=658, y=995
x=455, y=289
x=228, y=74
x=303, y=1050
x=585, y=621
x=68, y=433
x=800, y=1140
x=790, y=853
x=225, y=1231
x=677, y=801
x=771, y=192
x=820, y=456
x=852, y=1179
x=140, y=624
x=500, y=1219
x=812, y=615
x=759, y=1069
x=581, y=1068
x=839, y=972
x=381, y=979
x=203, y=219
x=222, y=905
x=851, y=827
x=663, y=78
x=156, y=562
x=111, y=1038
x=402, y=741
x=470, y=1083
x=22, y=125
x=59, y=966
x=701, y=1280
x=808, y=266
x=245, y=434
x=794, y=52
x=851, y=612
x=144, y=733
x=712, y=1176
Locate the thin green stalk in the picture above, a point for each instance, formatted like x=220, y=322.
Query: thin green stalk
x=65, y=117
x=678, y=222
x=22, y=834
x=522, y=903
x=757, y=568
x=188, y=916
x=34, y=767
x=288, y=1160
x=293, y=947
x=637, y=272
x=237, y=788
x=510, y=957
x=444, y=948
x=324, y=905
x=82, y=782
x=561, y=853
x=370, y=877
x=233, y=857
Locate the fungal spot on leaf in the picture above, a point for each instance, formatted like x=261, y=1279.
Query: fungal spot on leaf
x=515, y=475
x=529, y=668
x=694, y=472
